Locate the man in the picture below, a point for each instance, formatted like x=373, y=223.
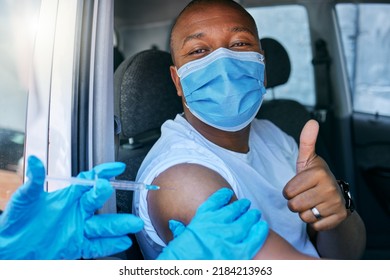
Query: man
x=62, y=225
x=219, y=73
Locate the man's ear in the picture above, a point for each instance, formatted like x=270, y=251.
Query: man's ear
x=176, y=80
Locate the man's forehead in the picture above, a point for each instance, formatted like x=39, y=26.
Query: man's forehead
x=193, y=20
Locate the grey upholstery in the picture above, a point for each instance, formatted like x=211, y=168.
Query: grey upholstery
x=288, y=115
x=278, y=65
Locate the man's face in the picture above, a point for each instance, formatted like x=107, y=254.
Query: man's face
x=206, y=28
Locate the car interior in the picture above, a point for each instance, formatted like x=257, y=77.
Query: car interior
x=143, y=78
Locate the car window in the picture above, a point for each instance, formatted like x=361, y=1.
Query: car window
x=17, y=22
x=367, y=52
x=289, y=25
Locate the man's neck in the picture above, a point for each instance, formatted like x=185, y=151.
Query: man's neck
x=234, y=141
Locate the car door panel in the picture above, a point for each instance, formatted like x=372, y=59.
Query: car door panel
x=372, y=163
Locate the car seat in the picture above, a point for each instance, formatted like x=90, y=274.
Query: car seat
x=145, y=97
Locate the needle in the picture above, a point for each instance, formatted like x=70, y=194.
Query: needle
x=117, y=184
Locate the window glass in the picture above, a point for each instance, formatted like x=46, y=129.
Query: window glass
x=17, y=22
x=289, y=25
x=365, y=30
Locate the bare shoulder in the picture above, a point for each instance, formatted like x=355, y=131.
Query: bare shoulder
x=183, y=188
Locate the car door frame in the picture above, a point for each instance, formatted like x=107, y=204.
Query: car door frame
x=70, y=123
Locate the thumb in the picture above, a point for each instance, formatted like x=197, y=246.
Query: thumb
x=307, y=144
x=176, y=227
x=36, y=179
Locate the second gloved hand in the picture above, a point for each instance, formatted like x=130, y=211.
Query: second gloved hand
x=218, y=231
x=61, y=224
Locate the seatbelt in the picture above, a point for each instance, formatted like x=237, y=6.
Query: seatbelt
x=321, y=63
x=324, y=104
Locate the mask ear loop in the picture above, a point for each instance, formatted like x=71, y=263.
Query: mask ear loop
x=177, y=73
x=185, y=101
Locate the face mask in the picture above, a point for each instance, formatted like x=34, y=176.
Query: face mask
x=224, y=89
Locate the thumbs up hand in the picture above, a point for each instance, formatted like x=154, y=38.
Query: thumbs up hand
x=313, y=192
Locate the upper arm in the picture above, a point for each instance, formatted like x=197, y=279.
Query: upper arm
x=277, y=248
x=183, y=188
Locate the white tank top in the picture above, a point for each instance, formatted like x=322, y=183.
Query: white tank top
x=260, y=176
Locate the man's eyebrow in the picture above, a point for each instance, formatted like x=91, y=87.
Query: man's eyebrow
x=233, y=29
x=192, y=37
x=242, y=29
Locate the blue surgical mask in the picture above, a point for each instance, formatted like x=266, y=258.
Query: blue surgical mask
x=224, y=89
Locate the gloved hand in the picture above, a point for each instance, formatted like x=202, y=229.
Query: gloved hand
x=61, y=224
x=218, y=231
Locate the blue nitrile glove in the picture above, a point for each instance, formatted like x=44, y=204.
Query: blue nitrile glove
x=61, y=224
x=218, y=231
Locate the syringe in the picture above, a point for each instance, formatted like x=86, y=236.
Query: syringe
x=117, y=184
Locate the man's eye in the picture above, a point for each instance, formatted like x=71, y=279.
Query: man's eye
x=239, y=44
x=198, y=51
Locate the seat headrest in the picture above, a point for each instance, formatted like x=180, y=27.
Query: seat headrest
x=278, y=66
x=145, y=94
